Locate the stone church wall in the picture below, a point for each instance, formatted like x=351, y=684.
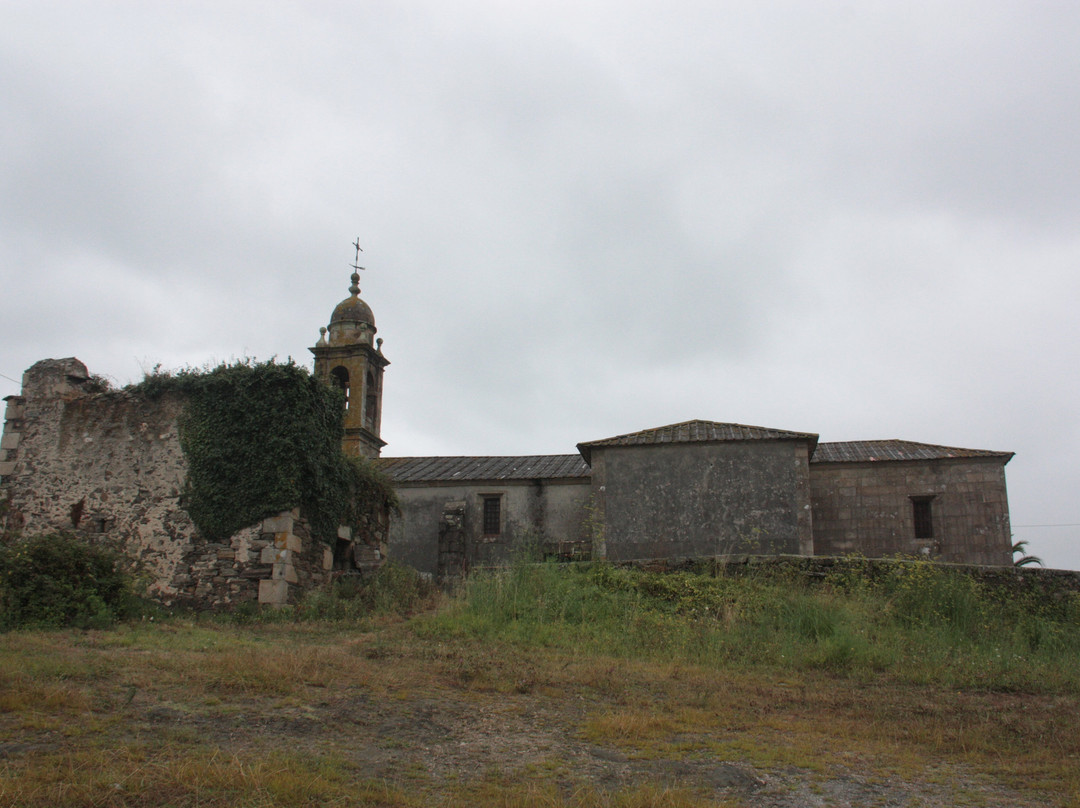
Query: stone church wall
x=108, y=466
x=866, y=508
x=704, y=499
x=548, y=514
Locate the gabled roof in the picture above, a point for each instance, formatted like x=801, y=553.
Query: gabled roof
x=868, y=451
x=696, y=432
x=475, y=469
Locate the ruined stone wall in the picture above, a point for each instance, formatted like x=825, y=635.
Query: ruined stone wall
x=867, y=508
x=274, y=562
x=108, y=466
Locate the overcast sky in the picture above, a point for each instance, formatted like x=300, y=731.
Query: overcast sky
x=579, y=219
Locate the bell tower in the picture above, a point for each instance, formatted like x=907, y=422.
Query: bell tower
x=348, y=359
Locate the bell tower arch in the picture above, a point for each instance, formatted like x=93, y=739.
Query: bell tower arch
x=349, y=357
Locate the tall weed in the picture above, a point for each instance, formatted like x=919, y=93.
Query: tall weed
x=924, y=622
x=393, y=589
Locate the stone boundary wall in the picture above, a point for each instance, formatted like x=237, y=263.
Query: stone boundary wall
x=1019, y=580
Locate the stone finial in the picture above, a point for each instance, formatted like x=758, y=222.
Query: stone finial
x=322, y=335
x=378, y=345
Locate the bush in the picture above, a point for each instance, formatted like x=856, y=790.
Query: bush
x=58, y=580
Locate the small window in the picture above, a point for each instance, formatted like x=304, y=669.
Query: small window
x=492, y=515
x=924, y=519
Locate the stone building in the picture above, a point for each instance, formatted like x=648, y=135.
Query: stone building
x=111, y=467
x=694, y=489
x=705, y=489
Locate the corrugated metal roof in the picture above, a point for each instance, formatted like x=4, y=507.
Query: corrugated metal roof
x=463, y=469
x=868, y=451
x=696, y=432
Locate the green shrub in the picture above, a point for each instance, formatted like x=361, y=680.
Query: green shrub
x=924, y=594
x=58, y=580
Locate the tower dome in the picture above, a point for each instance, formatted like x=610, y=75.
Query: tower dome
x=352, y=320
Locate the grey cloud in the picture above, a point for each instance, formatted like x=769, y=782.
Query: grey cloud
x=579, y=220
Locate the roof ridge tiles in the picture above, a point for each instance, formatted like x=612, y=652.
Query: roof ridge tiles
x=896, y=449
x=462, y=468
x=696, y=431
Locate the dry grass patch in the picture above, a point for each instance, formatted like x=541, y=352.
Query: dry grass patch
x=135, y=777
x=499, y=794
x=629, y=726
x=813, y=721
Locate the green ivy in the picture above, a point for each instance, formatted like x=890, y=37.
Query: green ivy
x=261, y=438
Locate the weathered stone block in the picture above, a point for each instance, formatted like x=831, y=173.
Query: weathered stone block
x=344, y=532
x=327, y=559
x=272, y=555
x=288, y=541
x=16, y=408
x=10, y=440
x=7, y=467
x=274, y=592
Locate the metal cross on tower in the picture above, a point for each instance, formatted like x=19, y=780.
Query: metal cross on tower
x=356, y=262
x=355, y=288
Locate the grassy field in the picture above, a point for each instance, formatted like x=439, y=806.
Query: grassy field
x=546, y=685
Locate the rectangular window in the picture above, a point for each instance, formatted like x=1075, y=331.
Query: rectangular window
x=492, y=516
x=924, y=521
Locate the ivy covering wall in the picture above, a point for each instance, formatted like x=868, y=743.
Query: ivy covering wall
x=261, y=438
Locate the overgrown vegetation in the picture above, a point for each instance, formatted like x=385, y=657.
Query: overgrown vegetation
x=260, y=438
x=393, y=589
x=54, y=581
x=917, y=620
